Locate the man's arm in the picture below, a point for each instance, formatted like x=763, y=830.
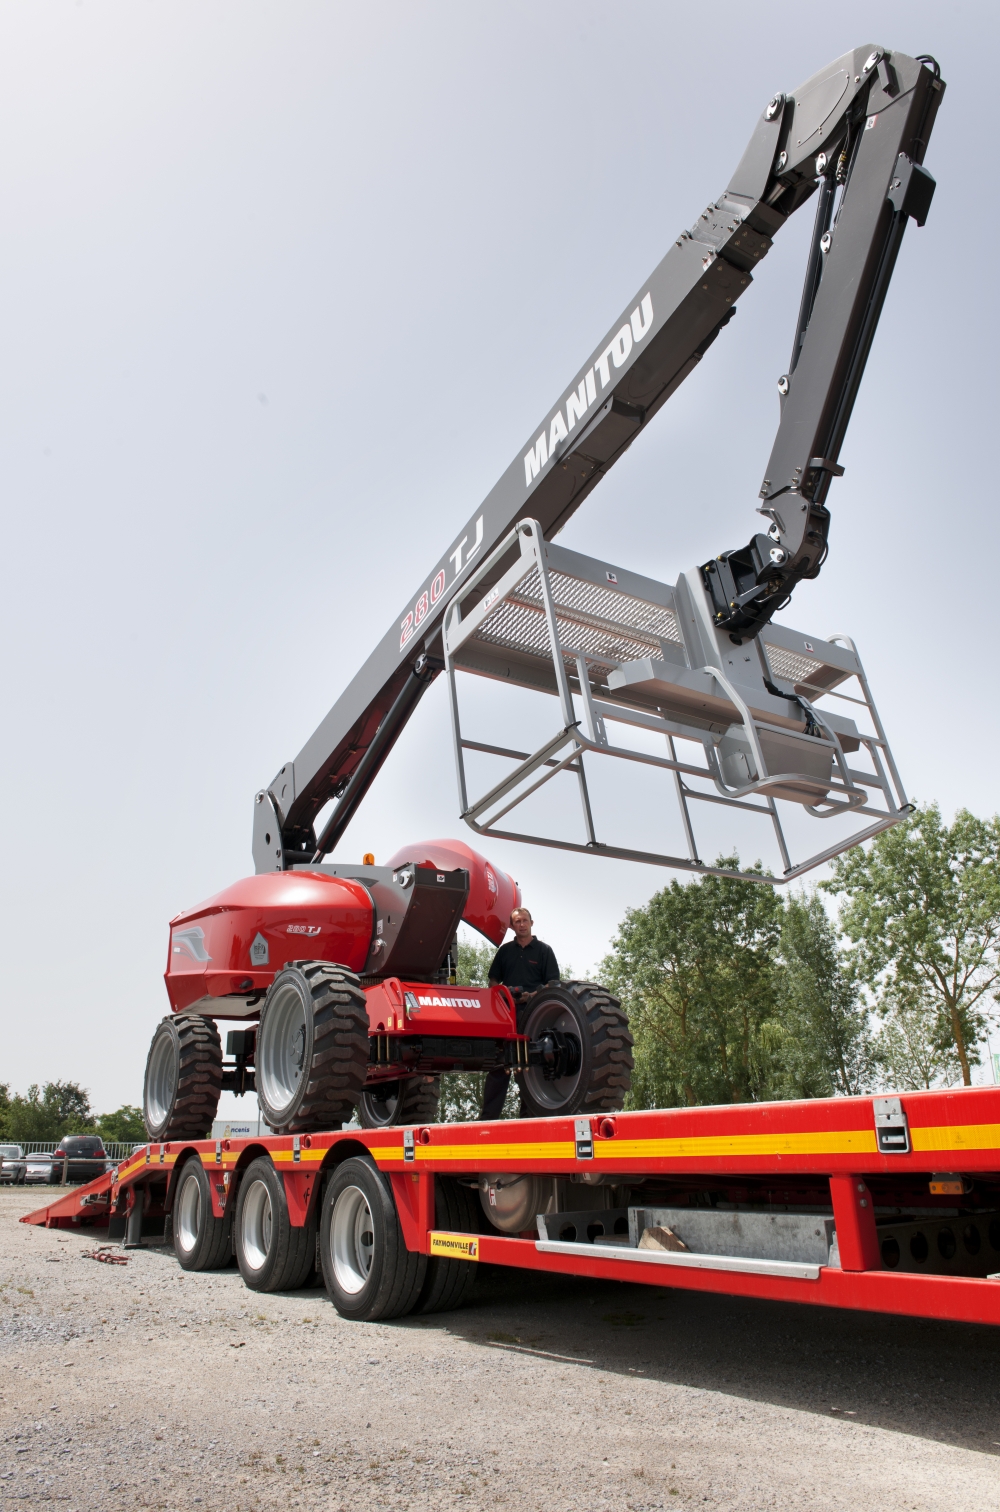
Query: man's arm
x=551, y=966
x=495, y=975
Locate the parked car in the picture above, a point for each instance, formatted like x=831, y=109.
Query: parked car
x=38, y=1167
x=11, y=1164
x=85, y=1157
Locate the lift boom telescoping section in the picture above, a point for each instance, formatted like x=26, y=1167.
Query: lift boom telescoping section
x=856, y=132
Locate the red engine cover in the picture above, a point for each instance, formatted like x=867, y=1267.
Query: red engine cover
x=238, y=940
x=492, y=894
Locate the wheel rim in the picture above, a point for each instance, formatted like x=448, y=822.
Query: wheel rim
x=187, y=1215
x=352, y=1239
x=551, y=1094
x=379, y=1110
x=161, y=1079
x=281, y=1048
x=256, y=1226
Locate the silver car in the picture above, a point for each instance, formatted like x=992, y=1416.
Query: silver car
x=11, y=1164
x=38, y=1168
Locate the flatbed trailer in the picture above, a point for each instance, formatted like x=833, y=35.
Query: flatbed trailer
x=884, y=1204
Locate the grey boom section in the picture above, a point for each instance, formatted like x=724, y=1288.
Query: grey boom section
x=658, y=339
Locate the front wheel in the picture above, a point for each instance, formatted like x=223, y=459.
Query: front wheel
x=411, y=1100
x=368, y=1271
x=312, y=1048
x=600, y=1069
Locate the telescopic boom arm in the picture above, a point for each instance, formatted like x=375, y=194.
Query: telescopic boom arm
x=856, y=132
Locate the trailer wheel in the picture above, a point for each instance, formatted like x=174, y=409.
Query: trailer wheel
x=585, y=1011
x=448, y=1282
x=412, y=1099
x=271, y=1254
x=367, y=1269
x=183, y=1079
x=312, y=1048
x=202, y=1242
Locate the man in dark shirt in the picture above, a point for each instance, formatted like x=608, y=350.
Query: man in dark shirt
x=522, y=966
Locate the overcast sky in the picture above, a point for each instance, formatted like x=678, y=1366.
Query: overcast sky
x=284, y=289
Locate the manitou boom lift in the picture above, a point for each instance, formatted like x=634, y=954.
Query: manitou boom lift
x=346, y=972
x=885, y=1203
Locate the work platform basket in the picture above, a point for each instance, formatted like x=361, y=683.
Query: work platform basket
x=616, y=648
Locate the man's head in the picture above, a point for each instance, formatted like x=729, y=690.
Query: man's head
x=522, y=924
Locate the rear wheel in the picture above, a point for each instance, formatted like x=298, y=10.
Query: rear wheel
x=367, y=1269
x=412, y=1099
x=448, y=1282
x=183, y=1078
x=312, y=1048
x=271, y=1254
x=202, y=1242
x=583, y=1011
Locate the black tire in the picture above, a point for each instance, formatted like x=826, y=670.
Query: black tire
x=586, y=1010
x=312, y=1048
x=271, y=1254
x=368, y=1272
x=411, y=1100
x=202, y=1242
x=180, y=1095
x=449, y=1282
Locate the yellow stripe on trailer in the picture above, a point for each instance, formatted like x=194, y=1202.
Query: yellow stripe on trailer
x=957, y=1137
x=713, y=1146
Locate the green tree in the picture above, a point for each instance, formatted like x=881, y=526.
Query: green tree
x=922, y=908
x=4, y=1106
x=697, y=970
x=826, y=1047
x=124, y=1126
x=49, y=1112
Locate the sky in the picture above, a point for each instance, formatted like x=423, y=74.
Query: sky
x=283, y=290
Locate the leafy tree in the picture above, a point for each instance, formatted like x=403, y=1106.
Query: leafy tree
x=4, y=1105
x=124, y=1126
x=910, y=1049
x=697, y=971
x=56, y=1109
x=826, y=1045
x=922, y=908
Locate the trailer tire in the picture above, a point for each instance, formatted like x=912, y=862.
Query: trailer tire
x=312, y=1048
x=202, y=1242
x=449, y=1282
x=183, y=1080
x=411, y=1100
x=368, y=1272
x=272, y=1255
x=588, y=1011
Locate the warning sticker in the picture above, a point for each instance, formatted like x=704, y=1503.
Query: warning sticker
x=457, y=1246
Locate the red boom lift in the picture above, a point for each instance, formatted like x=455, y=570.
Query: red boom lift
x=345, y=974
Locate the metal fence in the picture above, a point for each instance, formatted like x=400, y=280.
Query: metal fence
x=115, y=1151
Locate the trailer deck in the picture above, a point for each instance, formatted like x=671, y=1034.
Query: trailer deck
x=885, y=1204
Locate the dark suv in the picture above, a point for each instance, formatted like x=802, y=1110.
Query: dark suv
x=85, y=1157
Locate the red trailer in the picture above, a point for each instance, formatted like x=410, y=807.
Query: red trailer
x=887, y=1204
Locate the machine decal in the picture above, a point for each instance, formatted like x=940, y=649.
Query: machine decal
x=579, y=401
x=305, y=929
x=190, y=942
x=259, y=953
x=448, y=1002
x=457, y=1246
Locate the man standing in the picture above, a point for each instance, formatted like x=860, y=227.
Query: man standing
x=522, y=966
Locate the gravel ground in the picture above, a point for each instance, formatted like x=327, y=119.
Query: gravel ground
x=141, y=1386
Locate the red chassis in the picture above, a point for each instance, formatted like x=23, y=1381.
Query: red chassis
x=824, y=1155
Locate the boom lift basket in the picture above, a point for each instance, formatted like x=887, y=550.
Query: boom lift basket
x=615, y=647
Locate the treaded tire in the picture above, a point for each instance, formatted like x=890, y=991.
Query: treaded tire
x=271, y=1254
x=202, y=1242
x=412, y=1100
x=449, y=1282
x=368, y=1272
x=312, y=1048
x=183, y=1080
x=597, y=1019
